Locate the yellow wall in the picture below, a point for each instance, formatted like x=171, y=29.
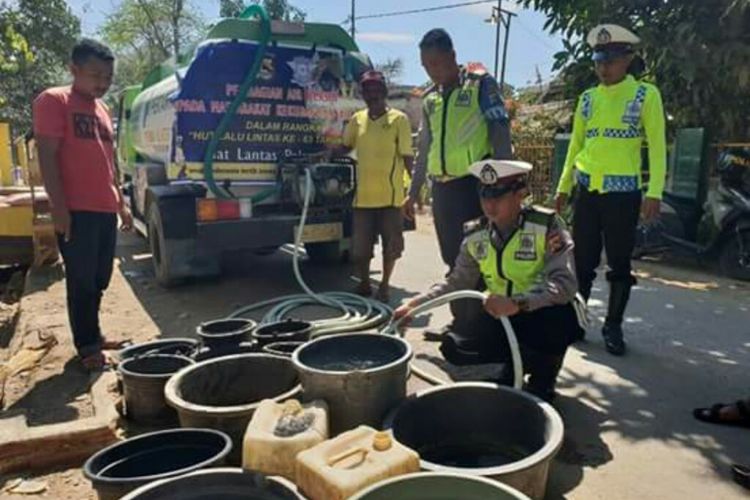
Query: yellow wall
x=6, y=160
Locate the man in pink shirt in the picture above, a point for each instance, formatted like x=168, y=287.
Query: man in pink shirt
x=74, y=137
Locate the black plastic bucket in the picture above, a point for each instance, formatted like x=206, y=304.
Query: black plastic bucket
x=430, y=486
x=217, y=351
x=222, y=483
x=223, y=393
x=143, y=380
x=282, y=348
x=178, y=346
x=124, y=466
x=227, y=331
x=283, y=331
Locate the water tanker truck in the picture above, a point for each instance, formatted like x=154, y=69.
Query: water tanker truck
x=216, y=154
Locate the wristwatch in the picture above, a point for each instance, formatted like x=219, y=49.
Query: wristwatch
x=522, y=303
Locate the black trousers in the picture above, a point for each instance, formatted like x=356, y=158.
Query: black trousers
x=607, y=220
x=549, y=330
x=88, y=258
x=453, y=204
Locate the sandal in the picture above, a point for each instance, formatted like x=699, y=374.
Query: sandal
x=741, y=474
x=712, y=415
x=114, y=345
x=94, y=362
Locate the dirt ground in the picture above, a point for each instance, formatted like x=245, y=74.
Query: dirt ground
x=135, y=308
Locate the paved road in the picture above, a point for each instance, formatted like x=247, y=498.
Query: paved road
x=629, y=431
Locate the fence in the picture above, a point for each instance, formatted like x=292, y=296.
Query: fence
x=541, y=155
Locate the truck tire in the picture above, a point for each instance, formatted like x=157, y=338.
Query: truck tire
x=326, y=253
x=159, y=249
x=730, y=258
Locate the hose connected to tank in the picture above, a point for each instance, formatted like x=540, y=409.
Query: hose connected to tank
x=360, y=313
x=208, y=160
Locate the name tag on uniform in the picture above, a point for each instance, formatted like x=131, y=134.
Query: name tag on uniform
x=464, y=98
x=527, y=247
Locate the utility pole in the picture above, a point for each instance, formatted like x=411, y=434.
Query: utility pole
x=353, y=29
x=498, y=18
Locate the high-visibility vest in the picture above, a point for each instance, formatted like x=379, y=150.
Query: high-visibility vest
x=519, y=266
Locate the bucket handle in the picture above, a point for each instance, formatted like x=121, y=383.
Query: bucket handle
x=346, y=454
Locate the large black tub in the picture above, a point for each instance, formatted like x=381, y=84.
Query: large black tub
x=218, y=484
x=124, y=466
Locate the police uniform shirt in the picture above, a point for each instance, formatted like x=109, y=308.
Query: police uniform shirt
x=493, y=107
x=558, y=287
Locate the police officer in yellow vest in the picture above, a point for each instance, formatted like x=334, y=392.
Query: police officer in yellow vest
x=463, y=121
x=524, y=256
x=604, y=160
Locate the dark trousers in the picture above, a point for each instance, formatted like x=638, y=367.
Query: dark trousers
x=548, y=330
x=453, y=204
x=88, y=258
x=610, y=220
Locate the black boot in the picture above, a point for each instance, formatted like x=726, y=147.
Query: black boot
x=619, y=294
x=542, y=369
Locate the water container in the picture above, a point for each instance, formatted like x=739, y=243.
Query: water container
x=283, y=331
x=179, y=346
x=279, y=431
x=228, y=331
x=338, y=468
x=129, y=464
x=360, y=375
x=143, y=380
x=439, y=486
x=226, y=483
x=285, y=348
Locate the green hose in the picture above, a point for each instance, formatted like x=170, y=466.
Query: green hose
x=208, y=161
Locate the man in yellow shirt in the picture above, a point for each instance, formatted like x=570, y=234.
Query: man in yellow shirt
x=604, y=160
x=381, y=138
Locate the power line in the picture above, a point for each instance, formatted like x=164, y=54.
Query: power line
x=428, y=9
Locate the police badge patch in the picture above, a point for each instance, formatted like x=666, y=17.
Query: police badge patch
x=488, y=175
x=603, y=37
x=527, y=247
x=480, y=250
x=464, y=98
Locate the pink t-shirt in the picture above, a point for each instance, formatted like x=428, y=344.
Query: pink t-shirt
x=86, y=154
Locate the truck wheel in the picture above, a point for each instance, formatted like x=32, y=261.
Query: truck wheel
x=326, y=253
x=159, y=249
x=731, y=262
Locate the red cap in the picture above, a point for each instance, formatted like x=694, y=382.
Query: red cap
x=372, y=76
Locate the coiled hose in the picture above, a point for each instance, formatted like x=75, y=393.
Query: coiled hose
x=360, y=313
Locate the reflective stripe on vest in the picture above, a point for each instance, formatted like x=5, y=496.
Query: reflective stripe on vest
x=459, y=131
x=520, y=265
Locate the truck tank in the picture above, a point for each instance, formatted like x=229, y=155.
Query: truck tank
x=304, y=93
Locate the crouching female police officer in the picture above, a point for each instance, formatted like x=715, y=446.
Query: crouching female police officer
x=525, y=258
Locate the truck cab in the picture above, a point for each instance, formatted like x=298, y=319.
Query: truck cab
x=196, y=197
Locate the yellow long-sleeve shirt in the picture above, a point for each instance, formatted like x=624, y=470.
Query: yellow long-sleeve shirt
x=609, y=127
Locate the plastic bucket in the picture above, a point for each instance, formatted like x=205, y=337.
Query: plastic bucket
x=220, y=483
x=124, y=466
x=283, y=331
x=438, y=486
x=360, y=375
x=223, y=393
x=482, y=429
x=226, y=331
x=143, y=380
x=282, y=348
x=178, y=346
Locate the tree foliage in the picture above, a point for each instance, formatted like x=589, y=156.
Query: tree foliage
x=145, y=33
x=231, y=8
x=392, y=69
x=36, y=37
x=282, y=10
x=696, y=51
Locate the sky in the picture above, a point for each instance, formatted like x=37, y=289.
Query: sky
x=529, y=47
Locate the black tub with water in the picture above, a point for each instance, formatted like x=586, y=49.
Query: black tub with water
x=228, y=331
x=143, y=380
x=124, y=466
x=217, y=351
x=360, y=375
x=484, y=430
x=218, y=484
x=283, y=331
